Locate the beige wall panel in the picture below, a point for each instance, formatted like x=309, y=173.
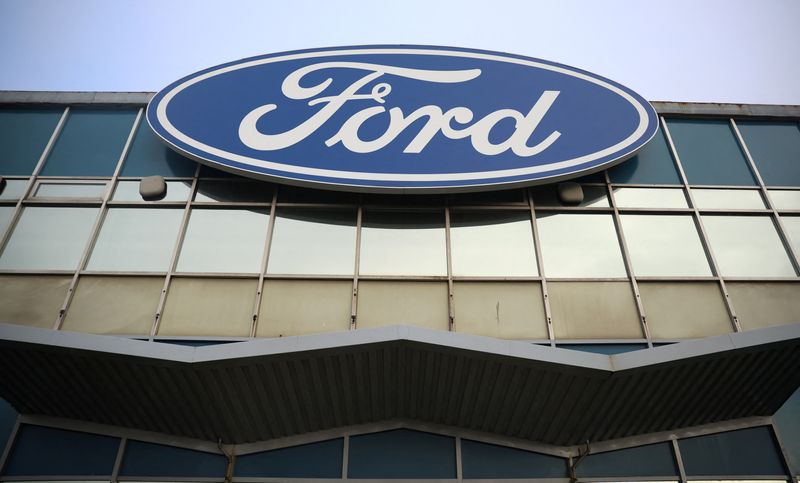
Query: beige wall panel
x=594, y=310
x=765, y=304
x=297, y=307
x=209, y=307
x=32, y=300
x=402, y=303
x=114, y=305
x=681, y=310
x=503, y=310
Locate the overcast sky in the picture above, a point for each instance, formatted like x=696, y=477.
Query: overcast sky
x=679, y=50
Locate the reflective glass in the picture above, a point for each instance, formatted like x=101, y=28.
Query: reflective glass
x=90, y=143
x=593, y=196
x=70, y=190
x=489, y=461
x=506, y=310
x=787, y=424
x=402, y=453
x=48, y=238
x=579, y=245
x=147, y=459
x=792, y=226
x=233, y=191
x=293, y=462
x=136, y=240
x=608, y=349
x=32, y=300
x=382, y=303
x=492, y=244
x=6, y=213
x=313, y=242
x=745, y=452
x=650, y=460
x=673, y=237
x=23, y=137
x=650, y=198
x=209, y=307
x=685, y=310
x=224, y=241
x=42, y=451
x=149, y=156
x=285, y=309
x=709, y=152
x=747, y=246
x=594, y=310
x=785, y=199
x=129, y=191
x=652, y=165
x=765, y=304
x=403, y=244
x=14, y=189
x=711, y=199
x=775, y=148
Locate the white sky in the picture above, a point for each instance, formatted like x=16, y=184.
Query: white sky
x=679, y=50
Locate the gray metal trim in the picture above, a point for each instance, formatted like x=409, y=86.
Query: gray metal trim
x=723, y=109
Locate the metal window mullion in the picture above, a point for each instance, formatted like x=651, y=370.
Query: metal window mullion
x=264, y=263
x=459, y=460
x=782, y=233
x=345, y=455
x=701, y=228
x=451, y=311
x=123, y=442
x=356, y=268
x=32, y=179
x=174, y=257
x=678, y=459
x=540, y=262
x=9, y=444
x=623, y=243
x=101, y=215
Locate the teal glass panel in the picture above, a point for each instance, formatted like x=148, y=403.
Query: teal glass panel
x=8, y=417
x=314, y=460
x=23, y=137
x=653, y=165
x=489, y=461
x=650, y=460
x=745, y=452
x=149, y=156
x=787, y=421
x=709, y=153
x=90, y=143
x=402, y=453
x=154, y=460
x=41, y=451
x=775, y=148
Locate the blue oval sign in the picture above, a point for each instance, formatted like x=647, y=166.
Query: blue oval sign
x=402, y=118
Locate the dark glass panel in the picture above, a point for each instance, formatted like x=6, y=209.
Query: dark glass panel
x=604, y=348
x=653, y=165
x=650, y=460
x=147, y=459
x=402, y=453
x=314, y=460
x=23, y=137
x=745, y=452
x=149, y=156
x=775, y=148
x=489, y=461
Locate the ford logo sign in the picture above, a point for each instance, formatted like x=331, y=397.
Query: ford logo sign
x=402, y=119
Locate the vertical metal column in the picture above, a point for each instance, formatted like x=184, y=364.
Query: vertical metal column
x=451, y=311
x=540, y=262
x=356, y=268
x=679, y=459
x=264, y=262
x=118, y=461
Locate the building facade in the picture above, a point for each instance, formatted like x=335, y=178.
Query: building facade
x=239, y=330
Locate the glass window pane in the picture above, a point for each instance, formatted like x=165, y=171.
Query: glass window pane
x=787, y=423
x=6, y=213
x=233, y=191
x=8, y=417
x=785, y=199
x=285, y=309
x=90, y=143
x=498, y=309
x=129, y=191
x=650, y=460
x=209, y=307
x=23, y=137
x=149, y=156
x=710, y=199
x=775, y=148
x=402, y=453
x=14, y=189
x=653, y=165
x=224, y=241
x=684, y=310
x=765, y=304
x=673, y=237
x=594, y=310
x=747, y=246
x=297, y=248
x=792, y=226
x=48, y=238
x=489, y=461
x=709, y=152
x=608, y=349
x=403, y=244
x=650, y=198
x=578, y=245
x=146, y=459
x=402, y=303
x=314, y=460
x=492, y=244
x=71, y=190
x=32, y=300
x=136, y=240
x=114, y=305
x=745, y=452
x=593, y=196
x=41, y=451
